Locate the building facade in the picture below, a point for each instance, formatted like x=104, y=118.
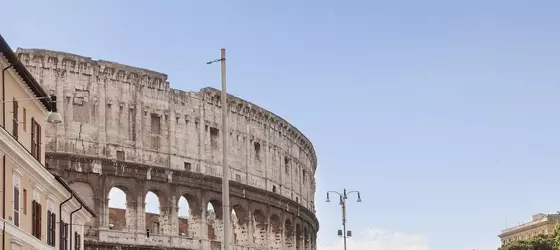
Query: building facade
x=540, y=224
x=126, y=128
x=39, y=210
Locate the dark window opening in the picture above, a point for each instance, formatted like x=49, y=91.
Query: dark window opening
x=287, y=165
x=214, y=134
x=274, y=189
x=257, y=151
x=120, y=155
x=187, y=166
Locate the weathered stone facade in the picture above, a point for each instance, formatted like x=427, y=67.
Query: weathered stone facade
x=125, y=127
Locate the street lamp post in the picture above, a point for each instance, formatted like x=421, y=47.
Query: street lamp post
x=225, y=167
x=343, y=198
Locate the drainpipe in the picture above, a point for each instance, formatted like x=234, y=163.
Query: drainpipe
x=71, y=223
x=4, y=98
x=60, y=221
x=4, y=203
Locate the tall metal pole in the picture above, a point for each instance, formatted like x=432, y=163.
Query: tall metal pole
x=225, y=179
x=343, y=197
x=343, y=203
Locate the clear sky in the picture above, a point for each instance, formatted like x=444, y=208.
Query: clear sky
x=444, y=114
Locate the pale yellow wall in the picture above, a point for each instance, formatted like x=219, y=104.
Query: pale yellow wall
x=30, y=178
x=33, y=108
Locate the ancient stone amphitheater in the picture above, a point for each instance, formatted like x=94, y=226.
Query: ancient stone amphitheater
x=125, y=128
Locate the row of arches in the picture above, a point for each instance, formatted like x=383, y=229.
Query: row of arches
x=250, y=227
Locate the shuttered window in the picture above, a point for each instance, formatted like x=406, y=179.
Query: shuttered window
x=35, y=139
x=36, y=220
x=16, y=206
x=51, y=228
x=15, y=126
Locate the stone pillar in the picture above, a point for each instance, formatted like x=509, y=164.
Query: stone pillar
x=164, y=221
x=141, y=214
x=105, y=215
x=250, y=228
x=203, y=224
x=131, y=215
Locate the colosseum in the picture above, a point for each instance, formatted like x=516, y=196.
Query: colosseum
x=125, y=128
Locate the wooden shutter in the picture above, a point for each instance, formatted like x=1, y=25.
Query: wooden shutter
x=15, y=125
x=49, y=227
x=39, y=142
x=39, y=220
x=53, y=226
x=33, y=136
x=33, y=217
x=16, y=206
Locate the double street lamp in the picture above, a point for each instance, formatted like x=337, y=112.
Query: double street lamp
x=343, y=197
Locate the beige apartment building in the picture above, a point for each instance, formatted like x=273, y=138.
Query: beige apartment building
x=39, y=209
x=540, y=224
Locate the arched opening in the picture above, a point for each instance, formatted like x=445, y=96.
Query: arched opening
x=288, y=234
x=213, y=219
x=305, y=238
x=152, y=212
x=239, y=223
x=298, y=237
x=276, y=232
x=260, y=228
x=118, y=209
x=188, y=216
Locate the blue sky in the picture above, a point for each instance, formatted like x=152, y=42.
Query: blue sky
x=444, y=114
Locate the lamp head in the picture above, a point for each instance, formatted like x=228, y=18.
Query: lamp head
x=328, y=200
x=54, y=117
x=359, y=198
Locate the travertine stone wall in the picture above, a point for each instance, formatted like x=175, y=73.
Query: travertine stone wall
x=117, y=111
x=125, y=127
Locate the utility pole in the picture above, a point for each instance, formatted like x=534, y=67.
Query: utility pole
x=225, y=167
x=343, y=198
x=225, y=178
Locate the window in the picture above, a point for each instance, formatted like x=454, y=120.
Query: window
x=35, y=139
x=287, y=164
x=304, y=177
x=36, y=219
x=24, y=201
x=214, y=134
x=16, y=206
x=187, y=166
x=78, y=243
x=15, y=119
x=24, y=119
x=63, y=235
x=120, y=155
x=51, y=228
